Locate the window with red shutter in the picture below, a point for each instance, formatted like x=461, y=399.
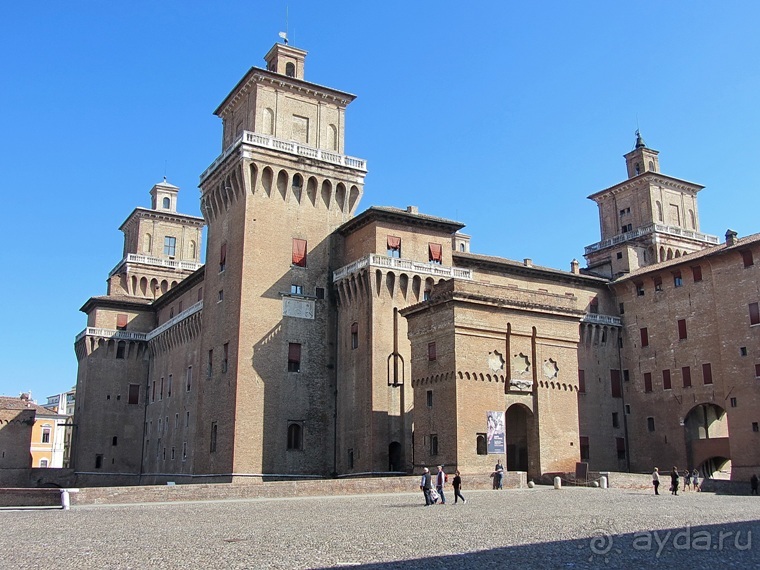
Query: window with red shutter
x=615, y=384
x=644, y=337
x=647, y=382
x=435, y=252
x=686, y=373
x=754, y=314
x=707, y=373
x=121, y=322
x=299, y=252
x=696, y=273
x=682, y=329
x=666, y=380
x=394, y=246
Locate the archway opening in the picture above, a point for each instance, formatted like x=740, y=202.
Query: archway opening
x=518, y=422
x=395, y=456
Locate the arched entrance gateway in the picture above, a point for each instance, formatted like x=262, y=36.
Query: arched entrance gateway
x=518, y=424
x=707, y=441
x=394, y=456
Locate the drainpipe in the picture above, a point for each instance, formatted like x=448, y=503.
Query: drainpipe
x=625, y=415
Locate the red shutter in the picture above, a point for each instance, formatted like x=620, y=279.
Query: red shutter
x=682, y=329
x=223, y=255
x=121, y=321
x=754, y=314
x=686, y=373
x=620, y=443
x=431, y=351
x=436, y=252
x=666, y=380
x=615, y=384
x=644, y=337
x=582, y=381
x=294, y=352
x=707, y=373
x=299, y=252
x=647, y=382
x=696, y=273
x=394, y=242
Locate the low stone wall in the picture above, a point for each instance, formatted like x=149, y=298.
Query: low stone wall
x=615, y=479
x=23, y=497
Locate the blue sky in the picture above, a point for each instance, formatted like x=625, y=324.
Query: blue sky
x=503, y=115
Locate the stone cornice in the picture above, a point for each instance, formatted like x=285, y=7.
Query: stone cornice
x=651, y=178
x=161, y=215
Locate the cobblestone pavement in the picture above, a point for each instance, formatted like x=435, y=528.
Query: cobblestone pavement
x=542, y=527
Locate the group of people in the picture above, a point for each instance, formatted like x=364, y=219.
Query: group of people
x=689, y=478
x=435, y=493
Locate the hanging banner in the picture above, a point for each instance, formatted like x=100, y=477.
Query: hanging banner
x=495, y=432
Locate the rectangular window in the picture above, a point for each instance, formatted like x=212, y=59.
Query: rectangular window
x=98, y=461
x=187, y=419
x=626, y=376
x=46, y=435
x=743, y=351
x=429, y=398
x=161, y=390
x=433, y=444
x=593, y=306
x=294, y=357
x=707, y=373
x=184, y=451
x=320, y=292
x=733, y=402
x=296, y=289
x=394, y=246
x=582, y=381
x=666, y=380
x=644, y=337
x=650, y=424
x=747, y=258
x=153, y=395
x=134, y=394
x=299, y=252
x=212, y=448
x=686, y=374
x=681, y=329
x=170, y=245
x=354, y=335
x=200, y=294
x=615, y=420
x=621, y=308
x=677, y=279
x=584, y=448
x=657, y=283
x=755, y=427
x=121, y=322
x=617, y=391
x=225, y=356
x=754, y=314
x=431, y=351
x=696, y=273
x=757, y=370
x=210, y=364
x=179, y=309
x=435, y=253
x=620, y=444
x=169, y=387
x=647, y=382
x=220, y=296
x=172, y=454
x=223, y=257
x=188, y=378
x=640, y=289
x=121, y=349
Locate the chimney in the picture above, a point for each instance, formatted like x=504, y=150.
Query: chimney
x=412, y=209
x=575, y=267
x=731, y=237
x=528, y=262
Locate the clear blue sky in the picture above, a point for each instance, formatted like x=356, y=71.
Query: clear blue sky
x=502, y=115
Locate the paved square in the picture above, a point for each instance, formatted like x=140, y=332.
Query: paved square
x=542, y=527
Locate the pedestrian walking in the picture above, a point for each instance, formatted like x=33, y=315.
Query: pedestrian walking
x=457, y=484
x=687, y=480
x=674, y=480
x=695, y=479
x=656, y=480
x=440, y=481
x=426, y=485
x=753, y=483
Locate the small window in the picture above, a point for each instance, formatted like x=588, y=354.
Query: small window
x=435, y=253
x=43, y=462
x=121, y=349
x=167, y=203
x=171, y=313
x=426, y=295
x=223, y=257
x=615, y=420
x=666, y=380
x=584, y=448
x=299, y=252
x=707, y=373
x=320, y=292
x=295, y=436
x=188, y=378
x=350, y=458
x=161, y=389
x=696, y=273
x=169, y=386
x=644, y=337
x=621, y=308
x=647, y=382
x=640, y=289
x=210, y=364
x=431, y=351
x=121, y=322
x=677, y=279
x=290, y=69
x=650, y=424
x=747, y=258
x=296, y=289
x=200, y=294
x=615, y=384
x=354, y=335
x=433, y=444
x=134, y=394
x=681, y=329
x=114, y=440
x=686, y=374
x=657, y=283
x=626, y=376
x=620, y=255
x=480, y=444
x=225, y=356
x=184, y=451
x=757, y=370
x=754, y=314
x=627, y=409
x=212, y=447
x=394, y=246
x=294, y=357
x=733, y=402
x=170, y=246
x=620, y=444
x=153, y=394
x=429, y=398
x=755, y=427
x=46, y=435
x=743, y=351
x=98, y=461
x=581, y=381
x=220, y=296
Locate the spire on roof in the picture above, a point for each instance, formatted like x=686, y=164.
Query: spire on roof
x=639, y=141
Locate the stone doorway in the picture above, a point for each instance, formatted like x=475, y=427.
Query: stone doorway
x=395, y=457
x=518, y=422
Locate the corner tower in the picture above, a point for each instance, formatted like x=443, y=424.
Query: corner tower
x=272, y=201
x=648, y=218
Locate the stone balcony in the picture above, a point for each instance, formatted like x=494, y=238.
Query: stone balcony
x=401, y=265
x=649, y=229
x=290, y=147
x=156, y=262
x=597, y=319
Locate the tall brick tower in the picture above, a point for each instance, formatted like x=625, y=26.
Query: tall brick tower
x=648, y=218
x=272, y=201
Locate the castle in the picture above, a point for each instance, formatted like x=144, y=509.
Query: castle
x=319, y=341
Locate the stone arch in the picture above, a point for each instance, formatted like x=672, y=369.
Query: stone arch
x=332, y=134
x=144, y=286
x=519, y=438
x=253, y=172
x=403, y=284
x=133, y=285
x=282, y=183
x=707, y=438
x=311, y=190
x=154, y=287
x=662, y=254
x=353, y=198
x=340, y=195
x=395, y=456
x=326, y=193
x=164, y=286
x=670, y=254
x=390, y=283
x=297, y=187
x=416, y=286
x=267, y=176
x=267, y=121
x=378, y=282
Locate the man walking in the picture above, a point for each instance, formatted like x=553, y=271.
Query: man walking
x=426, y=484
x=439, y=482
x=656, y=480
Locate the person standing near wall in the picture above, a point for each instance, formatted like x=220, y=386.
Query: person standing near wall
x=674, y=481
x=656, y=480
x=457, y=484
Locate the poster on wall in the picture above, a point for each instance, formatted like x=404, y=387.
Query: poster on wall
x=495, y=432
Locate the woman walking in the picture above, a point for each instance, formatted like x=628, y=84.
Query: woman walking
x=674, y=481
x=457, y=484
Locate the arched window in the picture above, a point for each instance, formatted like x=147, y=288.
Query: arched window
x=167, y=202
x=295, y=436
x=290, y=69
x=659, y=211
x=147, y=243
x=480, y=444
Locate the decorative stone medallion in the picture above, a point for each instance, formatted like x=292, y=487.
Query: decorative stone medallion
x=495, y=361
x=550, y=368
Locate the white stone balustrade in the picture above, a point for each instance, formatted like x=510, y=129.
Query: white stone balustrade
x=377, y=260
x=157, y=262
x=602, y=320
x=651, y=228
